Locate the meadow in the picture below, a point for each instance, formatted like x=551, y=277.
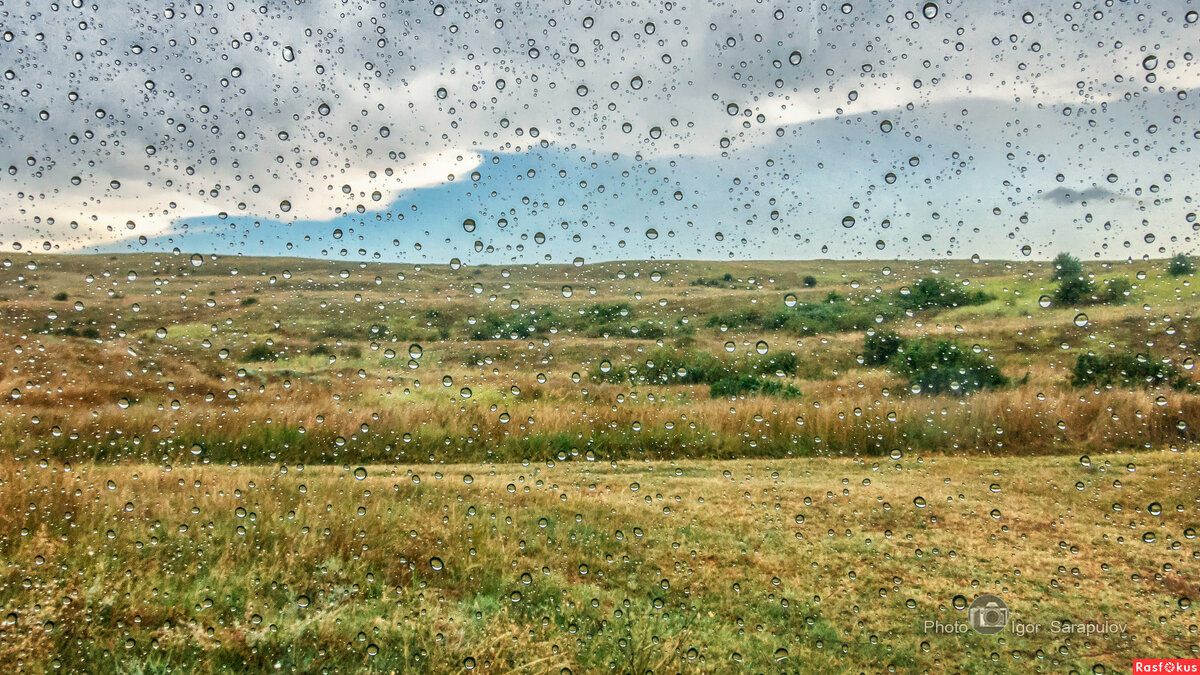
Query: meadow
x=670, y=466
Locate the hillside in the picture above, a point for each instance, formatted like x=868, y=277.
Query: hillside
x=145, y=357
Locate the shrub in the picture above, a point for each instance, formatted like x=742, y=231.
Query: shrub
x=1074, y=291
x=939, y=367
x=685, y=335
x=837, y=314
x=493, y=326
x=810, y=281
x=1117, y=291
x=928, y=293
x=669, y=366
x=1066, y=266
x=1127, y=370
x=771, y=364
x=647, y=330
x=246, y=302
x=60, y=296
x=879, y=346
x=1181, y=265
x=750, y=385
x=736, y=319
x=260, y=352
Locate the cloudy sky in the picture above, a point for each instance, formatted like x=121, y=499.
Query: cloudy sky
x=550, y=131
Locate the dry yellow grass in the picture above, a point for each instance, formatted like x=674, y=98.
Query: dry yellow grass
x=832, y=561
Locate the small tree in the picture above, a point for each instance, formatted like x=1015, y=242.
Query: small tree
x=810, y=281
x=1066, y=266
x=1180, y=265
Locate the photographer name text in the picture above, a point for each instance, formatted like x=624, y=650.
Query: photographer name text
x=1022, y=628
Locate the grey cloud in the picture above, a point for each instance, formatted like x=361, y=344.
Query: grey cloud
x=157, y=117
x=1064, y=195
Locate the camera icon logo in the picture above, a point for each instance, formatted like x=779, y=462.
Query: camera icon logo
x=988, y=614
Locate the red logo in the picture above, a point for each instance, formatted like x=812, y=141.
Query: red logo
x=1167, y=666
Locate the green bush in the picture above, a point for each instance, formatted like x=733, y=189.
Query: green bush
x=750, y=385
x=837, y=314
x=879, y=346
x=492, y=326
x=941, y=367
x=260, y=352
x=1075, y=291
x=810, y=281
x=60, y=296
x=1180, y=265
x=669, y=366
x=1126, y=370
x=1117, y=291
x=773, y=364
x=1066, y=266
x=930, y=293
x=647, y=330
x=596, y=320
x=684, y=335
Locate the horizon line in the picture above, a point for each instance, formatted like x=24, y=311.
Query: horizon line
x=216, y=257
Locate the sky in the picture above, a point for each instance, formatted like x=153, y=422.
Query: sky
x=556, y=132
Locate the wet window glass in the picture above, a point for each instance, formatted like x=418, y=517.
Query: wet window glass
x=639, y=337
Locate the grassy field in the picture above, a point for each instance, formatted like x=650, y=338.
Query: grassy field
x=630, y=467
x=153, y=358
x=691, y=566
